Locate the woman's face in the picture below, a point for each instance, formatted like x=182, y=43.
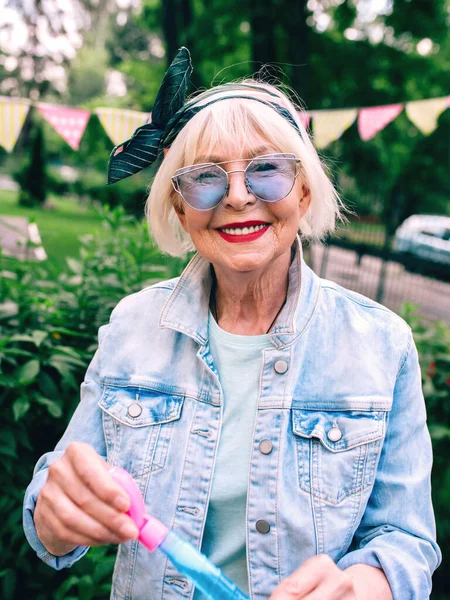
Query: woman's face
x=240, y=208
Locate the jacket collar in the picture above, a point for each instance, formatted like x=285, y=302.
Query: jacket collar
x=186, y=309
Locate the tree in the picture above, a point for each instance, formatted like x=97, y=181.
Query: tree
x=32, y=179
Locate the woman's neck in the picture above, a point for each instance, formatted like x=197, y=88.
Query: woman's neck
x=249, y=303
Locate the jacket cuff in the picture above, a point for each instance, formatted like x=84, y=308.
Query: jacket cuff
x=408, y=573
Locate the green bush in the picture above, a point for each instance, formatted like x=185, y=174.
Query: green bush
x=48, y=334
x=48, y=329
x=32, y=175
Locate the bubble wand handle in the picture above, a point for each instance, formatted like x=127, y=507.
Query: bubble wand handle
x=187, y=559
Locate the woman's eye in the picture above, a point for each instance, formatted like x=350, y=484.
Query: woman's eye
x=266, y=166
x=206, y=177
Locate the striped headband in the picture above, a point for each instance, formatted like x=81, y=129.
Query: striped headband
x=170, y=115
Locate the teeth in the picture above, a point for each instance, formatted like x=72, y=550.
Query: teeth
x=243, y=231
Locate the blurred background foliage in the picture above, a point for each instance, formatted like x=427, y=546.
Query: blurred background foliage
x=330, y=53
x=91, y=53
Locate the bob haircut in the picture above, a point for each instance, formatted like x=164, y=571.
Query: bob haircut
x=236, y=126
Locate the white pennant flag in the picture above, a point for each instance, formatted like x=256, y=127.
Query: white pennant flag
x=425, y=113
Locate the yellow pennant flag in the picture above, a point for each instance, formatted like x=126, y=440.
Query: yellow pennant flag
x=425, y=113
x=119, y=123
x=13, y=112
x=329, y=125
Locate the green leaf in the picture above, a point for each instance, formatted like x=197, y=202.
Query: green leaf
x=9, y=585
x=28, y=372
x=54, y=408
x=75, y=265
x=39, y=336
x=47, y=385
x=65, y=587
x=20, y=408
x=64, y=358
x=64, y=331
x=20, y=337
x=17, y=352
x=86, y=587
x=8, y=309
x=439, y=432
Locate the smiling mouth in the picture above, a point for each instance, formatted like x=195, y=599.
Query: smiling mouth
x=242, y=230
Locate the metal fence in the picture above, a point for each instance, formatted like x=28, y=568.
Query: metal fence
x=361, y=256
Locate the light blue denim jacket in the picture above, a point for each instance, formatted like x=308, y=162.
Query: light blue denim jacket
x=351, y=366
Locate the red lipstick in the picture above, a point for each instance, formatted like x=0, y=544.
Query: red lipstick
x=249, y=237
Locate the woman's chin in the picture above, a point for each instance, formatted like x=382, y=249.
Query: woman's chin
x=243, y=262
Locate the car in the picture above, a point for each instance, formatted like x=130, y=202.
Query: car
x=425, y=236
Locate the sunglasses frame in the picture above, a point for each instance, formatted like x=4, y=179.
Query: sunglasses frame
x=189, y=169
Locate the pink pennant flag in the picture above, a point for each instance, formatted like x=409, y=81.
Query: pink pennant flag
x=70, y=123
x=304, y=118
x=374, y=119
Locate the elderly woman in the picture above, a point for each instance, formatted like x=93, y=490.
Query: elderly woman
x=273, y=419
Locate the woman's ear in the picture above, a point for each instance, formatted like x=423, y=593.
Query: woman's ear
x=178, y=208
x=305, y=199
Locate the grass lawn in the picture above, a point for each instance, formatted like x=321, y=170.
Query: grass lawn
x=60, y=227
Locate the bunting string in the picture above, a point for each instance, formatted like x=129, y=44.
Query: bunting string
x=119, y=124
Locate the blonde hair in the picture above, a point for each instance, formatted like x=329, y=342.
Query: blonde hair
x=235, y=125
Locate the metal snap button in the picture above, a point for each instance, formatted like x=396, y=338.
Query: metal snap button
x=134, y=410
x=335, y=434
x=265, y=447
x=262, y=526
x=280, y=367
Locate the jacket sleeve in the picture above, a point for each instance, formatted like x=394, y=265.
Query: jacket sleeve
x=397, y=532
x=85, y=426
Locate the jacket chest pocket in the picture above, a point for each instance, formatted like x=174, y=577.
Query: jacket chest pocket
x=337, y=451
x=138, y=425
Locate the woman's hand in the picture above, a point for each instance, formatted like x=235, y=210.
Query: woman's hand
x=317, y=579
x=81, y=504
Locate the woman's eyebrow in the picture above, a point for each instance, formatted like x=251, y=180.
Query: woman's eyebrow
x=212, y=158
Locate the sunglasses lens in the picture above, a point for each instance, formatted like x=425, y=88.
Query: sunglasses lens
x=271, y=178
x=203, y=188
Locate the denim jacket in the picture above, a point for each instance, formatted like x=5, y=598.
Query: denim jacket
x=339, y=400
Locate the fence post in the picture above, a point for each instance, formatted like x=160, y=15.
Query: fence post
x=323, y=265
x=392, y=218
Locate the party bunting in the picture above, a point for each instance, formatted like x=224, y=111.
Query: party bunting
x=13, y=112
x=425, y=113
x=372, y=120
x=329, y=125
x=70, y=123
x=304, y=118
x=120, y=124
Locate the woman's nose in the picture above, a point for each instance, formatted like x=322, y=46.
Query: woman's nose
x=239, y=194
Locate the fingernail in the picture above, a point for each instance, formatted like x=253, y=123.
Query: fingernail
x=128, y=531
x=121, y=503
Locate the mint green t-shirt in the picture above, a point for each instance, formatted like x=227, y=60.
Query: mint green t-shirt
x=238, y=361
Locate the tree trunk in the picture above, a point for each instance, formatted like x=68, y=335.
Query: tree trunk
x=262, y=21
x=297, y=45
x=170, y=28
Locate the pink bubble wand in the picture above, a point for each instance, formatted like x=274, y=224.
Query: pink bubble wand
x=187, y=559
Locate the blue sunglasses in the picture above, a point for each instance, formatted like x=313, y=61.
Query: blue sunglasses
x=269, y=178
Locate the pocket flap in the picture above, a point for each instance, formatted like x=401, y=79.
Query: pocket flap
x=156, y=407
x=356, y=427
